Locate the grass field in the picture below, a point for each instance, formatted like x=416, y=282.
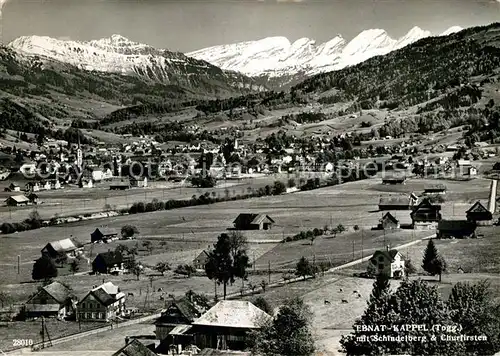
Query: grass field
x=179, y=235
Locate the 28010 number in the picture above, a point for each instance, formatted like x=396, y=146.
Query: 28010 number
x=22, y=342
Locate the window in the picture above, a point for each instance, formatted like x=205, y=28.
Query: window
x=380, y=266
x=83, y=305
x=88, y=316
x=381, y=258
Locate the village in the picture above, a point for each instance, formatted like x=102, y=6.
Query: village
x=115, y=269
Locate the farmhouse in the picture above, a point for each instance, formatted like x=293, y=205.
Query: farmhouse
x=393, y=180
x=102, y=303
x=17, y=200
x=138, y=182
x=388, y=222
x=253, y=222
x=397, y=203
x=479, y=214
x=173, y=327
x=435, y=189
x=472, y=171
x=57, y=249
x=455, y=229
x=225, y=325
x=110, y=262
x=425, y=215
x=52, y=300
x=103, y=234
x=389, y=262
x=201, y=260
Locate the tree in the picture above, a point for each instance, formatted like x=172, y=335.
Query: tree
x=432, y=262
x=439, y=266
x=6, y=299
x=262, y=303
x=162, y=267
x=128, y=231
x=74, y=266
x=186, y=270
x=44, y=268
x=288, y=334
x=228, y=260
x=278, y=188
x=263, y=285
x=381, y=287
x=409, y=267
x=430, y=254
x=304, y=268
x=135, y=268
x=472, y=306
x=413, y=303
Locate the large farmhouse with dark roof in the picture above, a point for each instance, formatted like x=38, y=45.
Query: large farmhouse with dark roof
x=479, y=214
x=52, y=300
x=253, y=222
x=455, y=229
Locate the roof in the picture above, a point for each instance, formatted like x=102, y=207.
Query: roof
x=390, y=217
x=399, y=201
x=435, y=187
x=58, y=291
x=180, y=330
x=110, y=258
x=249, y=219
x=106, y=231
x=106, y=293
x=233, y=314
x=202, y=256
x=456, y=225
x=187, y=309
x=64, y=245
x=478, y=207
x=390, y=255
x=134, y=348
x=19, y=198
x=426, y=203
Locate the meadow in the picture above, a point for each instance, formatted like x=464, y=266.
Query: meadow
x=178, y=236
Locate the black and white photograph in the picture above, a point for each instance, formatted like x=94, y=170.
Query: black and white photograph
x=249, y=177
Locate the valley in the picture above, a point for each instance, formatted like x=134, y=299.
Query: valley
x=315, y=158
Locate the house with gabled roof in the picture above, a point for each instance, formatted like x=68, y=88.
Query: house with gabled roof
x=52, y=300
x=173, y=327
x=226, y=325
x=17, y=200
x=246, y=221
x=57, y=249
x=201, y=260
x=110, y=262
x=389, y=262
x=102, y=303
x=388, y=222
x=479, y=214
x=103, y=234
x=425, y=215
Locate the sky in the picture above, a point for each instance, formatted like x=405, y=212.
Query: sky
x=186, y=25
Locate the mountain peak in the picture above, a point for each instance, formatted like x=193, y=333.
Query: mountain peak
x=451, y=30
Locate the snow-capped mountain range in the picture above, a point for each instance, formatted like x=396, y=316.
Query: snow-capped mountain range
x=277, y=56
x=118, y=54
x=231, y=64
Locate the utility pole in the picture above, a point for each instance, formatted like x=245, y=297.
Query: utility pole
x=353, y=250
x=362, y=250
x=269, y=270
x=18, y=264
x=254, y=262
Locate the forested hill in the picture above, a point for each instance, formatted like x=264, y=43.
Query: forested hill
x=416, y=73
